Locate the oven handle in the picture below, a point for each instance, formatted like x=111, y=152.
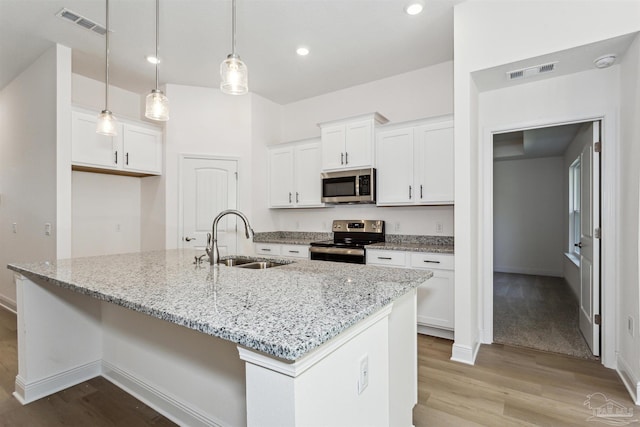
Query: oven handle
x=339, y=251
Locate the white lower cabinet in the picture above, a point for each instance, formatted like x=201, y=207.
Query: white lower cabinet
x=276, y=249
x=435, y=310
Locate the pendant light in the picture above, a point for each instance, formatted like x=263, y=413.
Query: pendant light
x=106, y=122
x=233, y=71
x=157, y=103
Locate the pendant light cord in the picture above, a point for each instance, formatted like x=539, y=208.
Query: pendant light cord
x=106, y=68
x=233, y=27
x=157, y=40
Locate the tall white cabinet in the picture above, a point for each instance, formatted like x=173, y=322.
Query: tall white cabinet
x=294, y=175
x=135, y=151
x=415, y=163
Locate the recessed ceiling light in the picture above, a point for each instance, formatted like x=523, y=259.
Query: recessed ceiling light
x=414, y=8
x=605, y=61
x=302, y=51
x=152, y=59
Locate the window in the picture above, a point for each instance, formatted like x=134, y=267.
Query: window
x=574, y=207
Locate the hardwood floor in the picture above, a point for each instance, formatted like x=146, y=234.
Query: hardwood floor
x=508, y=386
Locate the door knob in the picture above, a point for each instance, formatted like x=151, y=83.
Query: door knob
x=188, y=239
x=579, y=244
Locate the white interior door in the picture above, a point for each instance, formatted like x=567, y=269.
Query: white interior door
x=208, y=186
x=590, y=244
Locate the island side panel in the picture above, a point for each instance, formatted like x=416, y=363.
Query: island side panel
x=59, y=339
x=193, y=378
x=321, y=388
x=403, y=360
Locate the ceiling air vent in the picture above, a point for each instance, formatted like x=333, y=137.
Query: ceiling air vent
x=82, y=21
x=525, y=73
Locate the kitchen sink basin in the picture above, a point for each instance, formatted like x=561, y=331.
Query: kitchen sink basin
x=261, y=265
x=234, y=262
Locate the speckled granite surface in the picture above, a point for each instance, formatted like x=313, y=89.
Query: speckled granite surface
x=283, y=311
x=291, y=237
x=416, y=243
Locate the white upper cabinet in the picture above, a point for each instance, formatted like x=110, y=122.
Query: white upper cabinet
x=349, y=143
x=294, y=175
x=415, y=163
x=136, y=150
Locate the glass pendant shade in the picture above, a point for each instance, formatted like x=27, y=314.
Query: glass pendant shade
x=157, y=106
x=106, y=124
x=234, y=75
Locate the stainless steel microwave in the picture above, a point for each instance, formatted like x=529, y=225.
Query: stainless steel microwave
x=351, y=186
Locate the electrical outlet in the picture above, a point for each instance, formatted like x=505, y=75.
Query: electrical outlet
x=439, y=228
x=363, y=377
x=630, y=325
x=47, y=229
x=118, y=228
x=396, y=226
x=14, y=227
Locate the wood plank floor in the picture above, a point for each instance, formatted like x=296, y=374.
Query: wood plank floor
x=507, y=386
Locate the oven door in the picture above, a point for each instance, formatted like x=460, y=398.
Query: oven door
x=350, y=255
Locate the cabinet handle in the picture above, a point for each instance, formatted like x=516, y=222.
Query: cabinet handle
x=431, y=262
x=421, y=191
x=384, y=257
x=126, y=159
x=265, y=250
x=116, y=153
x=297, y=197
x=346, y=158
x=342, y=158
x=289, y=196
x=188, y=239
x=294, y=252
x=409, y=192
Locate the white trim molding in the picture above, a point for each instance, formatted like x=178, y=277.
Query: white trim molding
x=465, y=354
x=629, y=379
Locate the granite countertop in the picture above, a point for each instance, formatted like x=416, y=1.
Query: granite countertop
x=413, y=247
x=284, y=311
x=291, y=237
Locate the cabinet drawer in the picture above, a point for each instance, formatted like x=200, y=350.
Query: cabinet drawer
x=295, y=251
x=391, y=258
x=432, y=261
x=268, y=249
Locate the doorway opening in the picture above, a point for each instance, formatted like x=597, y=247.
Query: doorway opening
x=546, y=247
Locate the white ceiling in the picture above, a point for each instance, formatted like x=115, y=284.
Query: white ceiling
x=550, y=141
x=351, y=41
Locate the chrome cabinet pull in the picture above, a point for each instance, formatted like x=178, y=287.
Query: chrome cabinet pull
x=265, y=250
x=421, y=191
x=432, y=262
x=116, y=153
x=297, y=197
x=346, y=158
x=289, y=196
x=188, y=239
x=126, y=159
x=294, y=252
x=409, y=192
x=342, y=158
x=384, y=257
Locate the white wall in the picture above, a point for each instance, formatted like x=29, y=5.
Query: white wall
x=28, y=144
x=106, y=214
x=206, y=121
x=583, y=137
x=528, y=216
x=480, y=43
x=629, y=215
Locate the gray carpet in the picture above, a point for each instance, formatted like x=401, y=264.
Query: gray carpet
x=537, y=312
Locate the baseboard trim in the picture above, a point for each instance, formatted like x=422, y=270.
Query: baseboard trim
x=30, y=392
x=464, y=353
x=8, y=304
x=629, y=379
x=435, y=332
x=529, y=271
x=167, y=405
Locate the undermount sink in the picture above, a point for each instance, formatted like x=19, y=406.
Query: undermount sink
x=261, y=265
x=234, y=262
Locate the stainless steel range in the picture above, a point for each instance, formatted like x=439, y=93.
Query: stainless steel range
x=349, y=240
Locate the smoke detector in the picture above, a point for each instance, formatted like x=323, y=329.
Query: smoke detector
x=525, y=73
x=86, y=23
x=605, y=61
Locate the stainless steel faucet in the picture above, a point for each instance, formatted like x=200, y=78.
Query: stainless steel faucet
x=212, y=245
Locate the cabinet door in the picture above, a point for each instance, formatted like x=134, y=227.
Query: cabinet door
x=436, y=300
x=395, y=167
x=308, y=187
x=89, y=148
x=359, y=144
x=333, y=146
x=281, y=177
x=142, y=149
x=434, y=164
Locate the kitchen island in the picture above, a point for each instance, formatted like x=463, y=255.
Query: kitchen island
x=307, y=343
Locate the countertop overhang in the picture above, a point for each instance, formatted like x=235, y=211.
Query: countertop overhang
x=284, y=311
